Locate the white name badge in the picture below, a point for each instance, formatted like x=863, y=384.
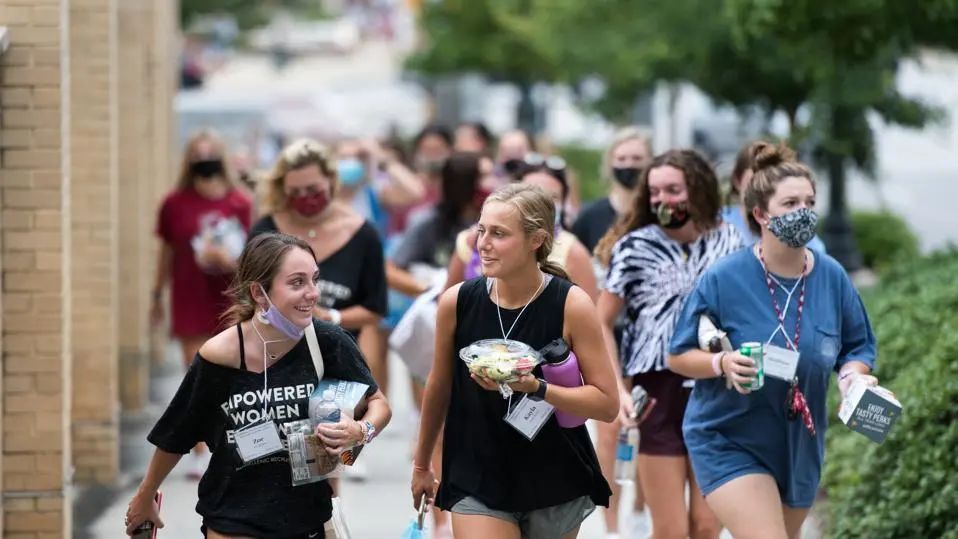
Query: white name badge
x=258, y=440
x=529, y=416
x=780, y=362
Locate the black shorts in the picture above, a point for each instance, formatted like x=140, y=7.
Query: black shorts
x=661, y=432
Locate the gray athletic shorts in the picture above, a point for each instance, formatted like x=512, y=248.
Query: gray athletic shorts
x=546, y=523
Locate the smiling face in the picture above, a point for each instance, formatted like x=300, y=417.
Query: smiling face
x=293, y=291
x=667, y=186
x=503, y=245
x=791, y=194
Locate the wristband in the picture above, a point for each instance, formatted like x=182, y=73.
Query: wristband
x=717, y=364
x=369, y=432
x=418, y=468
x=335, y=317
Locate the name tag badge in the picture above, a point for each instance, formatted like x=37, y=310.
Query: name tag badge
x=529, y=416
x=257, y=440
x=780, y=362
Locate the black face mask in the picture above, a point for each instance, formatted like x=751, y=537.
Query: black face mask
x=672, y=217
x=627, y=177
x=512, y=166
x=206, y=169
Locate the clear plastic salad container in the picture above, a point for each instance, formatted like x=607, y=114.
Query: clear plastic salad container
x=500, y=360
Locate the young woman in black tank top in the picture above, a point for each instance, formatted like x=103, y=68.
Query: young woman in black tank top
x=496, y=482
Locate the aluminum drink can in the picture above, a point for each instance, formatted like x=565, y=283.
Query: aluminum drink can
x=756, y=351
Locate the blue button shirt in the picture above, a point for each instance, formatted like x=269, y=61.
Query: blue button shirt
x=733, y=216
x=728, y=434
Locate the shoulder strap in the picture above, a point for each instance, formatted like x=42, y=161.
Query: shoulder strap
x=242, y=347
x=314, y=351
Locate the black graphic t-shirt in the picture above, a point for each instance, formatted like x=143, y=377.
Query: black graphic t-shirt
x=256, y=498
x=353, y=275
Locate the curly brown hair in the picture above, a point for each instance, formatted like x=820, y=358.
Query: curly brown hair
x=704, y=201
x=770, y=164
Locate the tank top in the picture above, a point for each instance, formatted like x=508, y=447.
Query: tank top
x=486, y=458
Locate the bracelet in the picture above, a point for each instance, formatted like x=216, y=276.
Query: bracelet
x=369, y=433
x=846, y=374
x=335, y=317
x=418, y=468
x=717, y=364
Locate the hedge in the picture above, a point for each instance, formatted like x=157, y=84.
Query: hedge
x=908, y=486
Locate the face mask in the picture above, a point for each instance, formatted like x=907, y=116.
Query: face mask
x=627, y=177
x=795, y=228
x=429, y=166
x=672, y=216
x=206, y=169
x=350, y=171
x=273, y=317
x=511, y=166
x=308, y=205
x=479, y=197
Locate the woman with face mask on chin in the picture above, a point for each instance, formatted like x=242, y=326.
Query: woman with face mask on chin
x=758, y=454
x=301, y=201
x=202, y=226
x=496, y=481
x=655, y=255
x=259, y=373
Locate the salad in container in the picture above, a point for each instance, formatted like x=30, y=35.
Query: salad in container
x=500, y=360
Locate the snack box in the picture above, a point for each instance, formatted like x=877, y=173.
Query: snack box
x=869, y=410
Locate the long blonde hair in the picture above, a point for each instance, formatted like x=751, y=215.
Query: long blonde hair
x=299, y=154
x=537, y=214
x=185, y=179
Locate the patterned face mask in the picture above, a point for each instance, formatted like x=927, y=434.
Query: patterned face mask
x=795, y=228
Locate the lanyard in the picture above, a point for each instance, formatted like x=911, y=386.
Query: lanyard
x=265, y=356
x=505, y=334
x=778, y=311
x=795, y=403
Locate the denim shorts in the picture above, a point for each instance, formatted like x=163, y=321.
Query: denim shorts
x=546, y=523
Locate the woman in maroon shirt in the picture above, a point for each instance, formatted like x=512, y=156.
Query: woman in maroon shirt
x=202, y=225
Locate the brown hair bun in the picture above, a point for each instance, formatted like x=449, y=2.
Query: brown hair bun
x=767, y=155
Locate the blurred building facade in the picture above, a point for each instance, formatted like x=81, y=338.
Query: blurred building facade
x=86, y=151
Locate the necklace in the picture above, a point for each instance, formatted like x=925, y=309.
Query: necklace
x=505, y=334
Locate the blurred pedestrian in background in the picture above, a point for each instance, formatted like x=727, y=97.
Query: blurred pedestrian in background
x=202, y=226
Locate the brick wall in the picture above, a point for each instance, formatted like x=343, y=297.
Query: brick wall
x=136, y=211
x=36, y=256
x=93, y=47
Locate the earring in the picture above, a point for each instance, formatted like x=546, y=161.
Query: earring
x=261, y=316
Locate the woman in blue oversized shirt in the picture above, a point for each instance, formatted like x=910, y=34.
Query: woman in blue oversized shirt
x=758, y=454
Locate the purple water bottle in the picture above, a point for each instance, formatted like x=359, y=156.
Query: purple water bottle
x=561, y=368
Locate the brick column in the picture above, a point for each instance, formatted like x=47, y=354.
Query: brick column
x=36, y=255
x=93, y=59
x=136, y=211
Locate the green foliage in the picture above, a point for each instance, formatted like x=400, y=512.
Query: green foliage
x=584, y=163
x=908, y=486
x=248, y=13
x=883, y=238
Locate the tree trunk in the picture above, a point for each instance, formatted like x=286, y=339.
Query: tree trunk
x=526, y=111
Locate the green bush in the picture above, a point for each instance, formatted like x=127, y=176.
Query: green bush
x=584, y=162
x=883, y=239
x=908, y=486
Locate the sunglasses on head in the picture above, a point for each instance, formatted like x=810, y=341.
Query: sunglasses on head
x=551, y=164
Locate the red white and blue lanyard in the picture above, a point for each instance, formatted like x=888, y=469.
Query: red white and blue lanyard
x=795, y=402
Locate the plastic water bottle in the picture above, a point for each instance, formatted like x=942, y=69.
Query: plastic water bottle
x=561, y=368
x=327, y=411
x=625, y=454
